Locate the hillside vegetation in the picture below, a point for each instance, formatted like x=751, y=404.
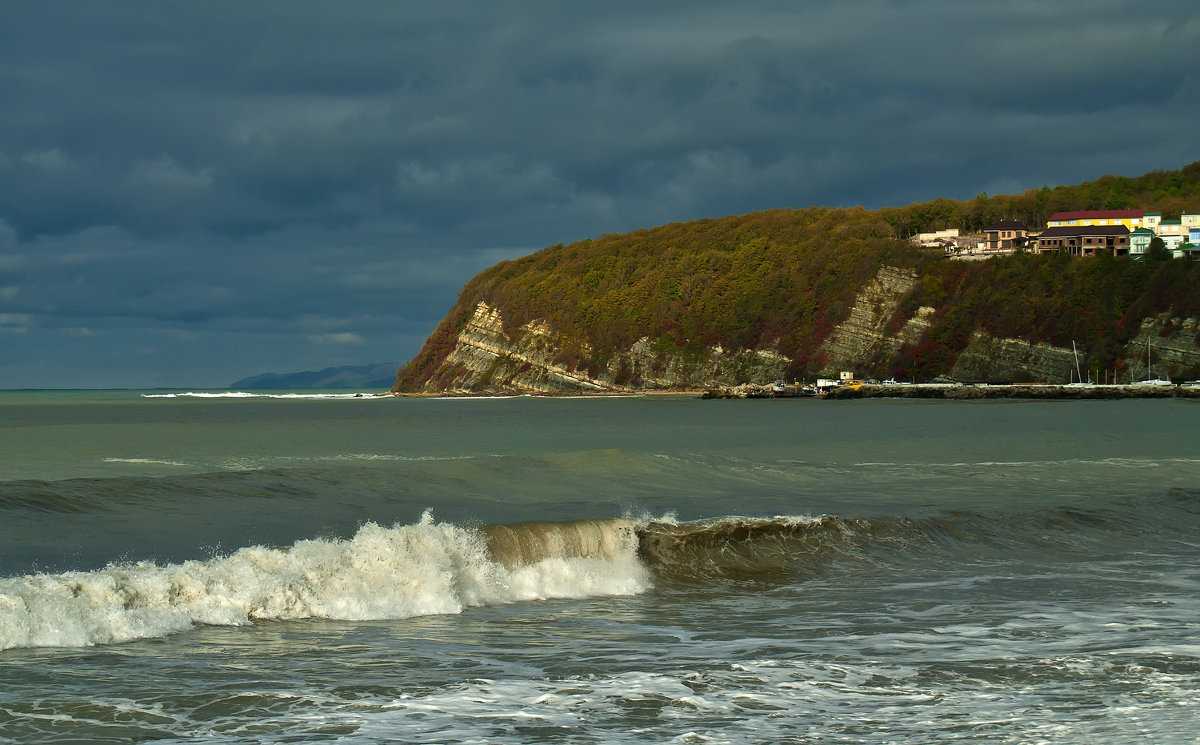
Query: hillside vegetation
x=1097, y=303
x=1168, y=192
x=784, y=279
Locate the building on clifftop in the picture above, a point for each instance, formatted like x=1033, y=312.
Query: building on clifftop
x=1139, y=242
x=1005, y=236
x=1085, y=240
x=1131, y=219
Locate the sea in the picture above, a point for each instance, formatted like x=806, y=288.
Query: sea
x=233, y=567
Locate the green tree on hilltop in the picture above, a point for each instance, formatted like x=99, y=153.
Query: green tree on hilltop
x=1157, y=250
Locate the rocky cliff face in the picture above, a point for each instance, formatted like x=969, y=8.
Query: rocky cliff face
x=863, y=335
x=1173, y=344
x=989, y=358
x=486, y=358
x=1173, y=348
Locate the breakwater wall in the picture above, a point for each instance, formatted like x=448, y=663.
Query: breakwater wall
x=967, y=392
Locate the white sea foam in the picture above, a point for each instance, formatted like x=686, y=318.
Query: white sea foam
x=1110, y=462
x=192, y=394
x=145, y=461
x=380, y=573
x=284, y=396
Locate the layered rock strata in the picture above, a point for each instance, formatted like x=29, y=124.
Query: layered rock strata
x=989, y=358
x=1172, y=345
x=487, y=359
x=863, y=335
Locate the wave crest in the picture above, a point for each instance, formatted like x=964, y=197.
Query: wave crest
x=380, y=573
x=743, y=547
x=431, y=567
x=530, y=542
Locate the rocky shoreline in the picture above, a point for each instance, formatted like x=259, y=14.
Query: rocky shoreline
x=964, y=392
x=950, y=392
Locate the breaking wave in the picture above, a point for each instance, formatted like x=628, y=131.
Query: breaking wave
x=431, y=567
x=380, y=573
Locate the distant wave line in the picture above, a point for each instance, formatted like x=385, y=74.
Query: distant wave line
x=148, y=461
x=283, y=396
x=1115, y=462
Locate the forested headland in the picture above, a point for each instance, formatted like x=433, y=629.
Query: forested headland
x=784, y=279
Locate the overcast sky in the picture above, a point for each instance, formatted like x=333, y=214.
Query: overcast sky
x=194, y=192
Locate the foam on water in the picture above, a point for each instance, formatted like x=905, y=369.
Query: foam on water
x=380, y=573
x=245, y=394
x=146, y=461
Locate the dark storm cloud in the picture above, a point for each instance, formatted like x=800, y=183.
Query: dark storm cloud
x=178, y=180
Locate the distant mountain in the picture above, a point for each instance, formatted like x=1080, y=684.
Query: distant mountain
x=380, y=375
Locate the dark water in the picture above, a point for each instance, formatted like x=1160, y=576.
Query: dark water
x=236, y=569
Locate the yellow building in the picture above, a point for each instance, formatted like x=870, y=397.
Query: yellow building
x=1131, y=219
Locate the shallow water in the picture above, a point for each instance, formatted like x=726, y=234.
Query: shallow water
x=242, y=569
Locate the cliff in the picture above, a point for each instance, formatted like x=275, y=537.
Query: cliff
x=485, y=357
x=795, y=294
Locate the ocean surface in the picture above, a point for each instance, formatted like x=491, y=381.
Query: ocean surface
x=217, y=568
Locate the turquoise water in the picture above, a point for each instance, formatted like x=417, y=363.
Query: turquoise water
x=185, y=568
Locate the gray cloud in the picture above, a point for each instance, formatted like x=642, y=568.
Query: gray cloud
x=191, y=193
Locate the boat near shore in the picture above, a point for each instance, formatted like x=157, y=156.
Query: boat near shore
x=1152, y=383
